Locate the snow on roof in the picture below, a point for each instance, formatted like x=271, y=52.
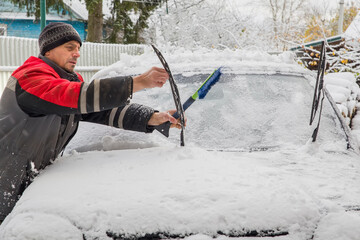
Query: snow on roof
x=79, y=7
x=353, y=31
x=23, y=15
x=10, y=11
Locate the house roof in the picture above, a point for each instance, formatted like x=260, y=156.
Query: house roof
x=10, y=11
x=79, y=7
x=317, y=42
x=20, y=15
x=352, y=33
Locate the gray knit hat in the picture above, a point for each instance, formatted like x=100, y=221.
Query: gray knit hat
x=56, y=34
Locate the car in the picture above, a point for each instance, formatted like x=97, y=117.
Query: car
x=250, y=167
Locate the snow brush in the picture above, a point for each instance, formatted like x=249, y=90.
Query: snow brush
x=200, y=93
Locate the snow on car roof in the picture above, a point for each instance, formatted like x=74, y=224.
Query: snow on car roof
x=204, y=60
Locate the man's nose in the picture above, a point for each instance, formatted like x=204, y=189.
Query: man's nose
x=76, y=54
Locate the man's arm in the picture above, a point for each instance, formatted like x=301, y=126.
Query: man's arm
x=133, y=117
x=40, y=91
x=155, y=77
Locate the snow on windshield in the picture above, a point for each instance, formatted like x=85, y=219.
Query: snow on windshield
x=247, y=112
x=242, y=112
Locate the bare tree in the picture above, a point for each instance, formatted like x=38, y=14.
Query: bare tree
x=287, y=20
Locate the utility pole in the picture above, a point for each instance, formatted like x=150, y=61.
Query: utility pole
x=42, y=14
x=341, y=18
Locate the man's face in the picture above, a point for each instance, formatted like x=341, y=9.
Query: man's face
x=66, y=55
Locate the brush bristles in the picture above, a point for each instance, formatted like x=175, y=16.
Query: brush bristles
x=207, y=86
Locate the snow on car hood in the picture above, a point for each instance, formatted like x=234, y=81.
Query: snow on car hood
x=185, y=191
x=178, y=191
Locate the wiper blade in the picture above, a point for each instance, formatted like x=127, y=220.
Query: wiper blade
x=166, y=235
x=318, y=92
x=176, y=95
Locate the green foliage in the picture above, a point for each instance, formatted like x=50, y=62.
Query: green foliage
x=120, y=26
x=91, y=5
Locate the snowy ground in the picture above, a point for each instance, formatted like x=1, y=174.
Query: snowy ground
x=114, y=182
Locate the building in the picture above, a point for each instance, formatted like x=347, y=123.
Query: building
x=15, y=22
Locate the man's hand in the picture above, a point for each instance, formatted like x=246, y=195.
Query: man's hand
x=160, y=117
x=155, y=77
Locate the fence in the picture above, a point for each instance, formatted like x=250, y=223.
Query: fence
x=94, y=56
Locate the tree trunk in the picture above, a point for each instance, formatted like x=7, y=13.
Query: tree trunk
x=95, y=22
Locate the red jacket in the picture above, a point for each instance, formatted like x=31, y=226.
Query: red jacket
x=39, y=113
x=37, y=78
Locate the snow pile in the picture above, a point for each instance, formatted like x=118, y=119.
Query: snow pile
x=182, y=60
x=345, y=92
x=343, y=226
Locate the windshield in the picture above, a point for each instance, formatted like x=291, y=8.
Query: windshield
x=246, y=112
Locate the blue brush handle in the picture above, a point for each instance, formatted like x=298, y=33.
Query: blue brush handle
x=165, y=127
x=185, y=106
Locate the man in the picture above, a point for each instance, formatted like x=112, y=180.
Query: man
x=44, y=100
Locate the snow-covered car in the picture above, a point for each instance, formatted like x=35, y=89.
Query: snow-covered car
x=249, y=167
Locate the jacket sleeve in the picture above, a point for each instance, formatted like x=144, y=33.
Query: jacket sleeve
x=42, y=91
x=129, y=117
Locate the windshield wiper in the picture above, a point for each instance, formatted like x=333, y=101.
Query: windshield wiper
x=319, y=91
x=231, y=234
x=175, y=92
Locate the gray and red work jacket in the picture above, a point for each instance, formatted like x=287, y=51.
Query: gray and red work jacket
x=40, y=109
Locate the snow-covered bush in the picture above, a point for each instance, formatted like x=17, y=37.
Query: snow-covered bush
x=211, y=24
x=345, y=92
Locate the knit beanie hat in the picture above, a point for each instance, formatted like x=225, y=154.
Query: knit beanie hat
x=56, y=34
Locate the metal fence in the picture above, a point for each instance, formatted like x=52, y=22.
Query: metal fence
x=94, y=56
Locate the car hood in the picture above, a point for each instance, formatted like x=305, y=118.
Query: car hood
x=179, y=192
